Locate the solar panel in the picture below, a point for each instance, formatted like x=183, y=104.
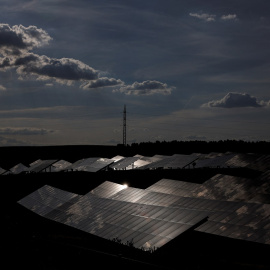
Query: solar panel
x=233, y=188
x=226, y=218
x=81, y=164
x=60, y=165
x=116, y=158
x=35, y=162
x=146, y=226
x=138, y=163
x=107, y=189
x=96, y=165
x=85, y=164
x=236, y=217
x=74, y=165
x=253, y=161
x=19, y=168
x=180, y=188
x=42, y=165
x=124, y=163
x=214, y=162
x=4, y=172
x=172, y=162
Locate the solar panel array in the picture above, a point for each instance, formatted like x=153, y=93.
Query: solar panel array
x=256, y=162
x=150, y=218
x=239, y=220
x=145, y=226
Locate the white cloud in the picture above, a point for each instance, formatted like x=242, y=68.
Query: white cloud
x=146, y=88
x=232, y=100
x=204, y=16
x=229, y=17
x=211, y=17
x=265, y=103
x=102, y=82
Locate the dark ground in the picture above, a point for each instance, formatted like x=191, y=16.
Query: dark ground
x=32, y=242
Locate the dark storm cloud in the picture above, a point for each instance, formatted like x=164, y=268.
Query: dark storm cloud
x=102, y=82
x=232, y=100
x=18, y=38
x=17, y=41
x=24, y=131
x=146, y=88
x=64, y=69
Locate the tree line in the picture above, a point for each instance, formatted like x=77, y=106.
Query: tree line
x=189, y=147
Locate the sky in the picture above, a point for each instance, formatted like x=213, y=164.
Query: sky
x=185, y=70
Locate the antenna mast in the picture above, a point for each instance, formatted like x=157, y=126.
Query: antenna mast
x=124, y=126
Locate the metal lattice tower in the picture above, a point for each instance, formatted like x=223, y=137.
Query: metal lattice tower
x=124, y=126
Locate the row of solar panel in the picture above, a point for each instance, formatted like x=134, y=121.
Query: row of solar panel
x=147, y=227
x=94, y=164
x=149, y=218
x=241, y=220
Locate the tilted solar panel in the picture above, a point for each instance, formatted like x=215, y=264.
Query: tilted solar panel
x=42, y=165
x=146, y=226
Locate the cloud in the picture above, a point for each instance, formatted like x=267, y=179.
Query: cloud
x=102, y=82
x=2, y=88
x=204, y=16
x=17, y=39
x=229, y=17
x=62, y=70
x=24, y=131
x=211, y=17
x=146, y=88
x=16, y=43
x=265, y=103
x=232, y=100
x=13, y=142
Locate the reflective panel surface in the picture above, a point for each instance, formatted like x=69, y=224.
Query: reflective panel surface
x=146, y=226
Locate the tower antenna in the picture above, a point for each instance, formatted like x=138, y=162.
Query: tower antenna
x=124, y=126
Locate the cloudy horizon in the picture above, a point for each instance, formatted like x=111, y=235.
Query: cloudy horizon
x=185, y=71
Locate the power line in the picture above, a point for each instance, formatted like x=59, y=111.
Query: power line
x=124, y=126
